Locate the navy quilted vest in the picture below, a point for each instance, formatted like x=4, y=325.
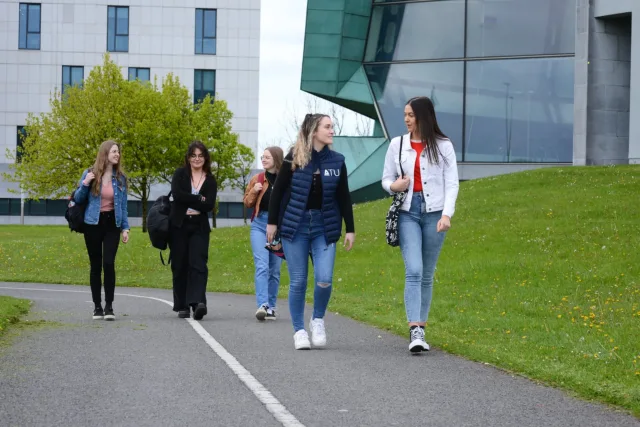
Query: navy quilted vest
x=330, y=166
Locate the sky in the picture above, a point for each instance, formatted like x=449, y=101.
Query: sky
x=281, y=44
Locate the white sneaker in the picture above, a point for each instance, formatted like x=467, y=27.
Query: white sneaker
x=301, y=340
x=318, y=333
x=417, y=343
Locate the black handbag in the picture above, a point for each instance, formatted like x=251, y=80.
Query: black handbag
x=393, y=237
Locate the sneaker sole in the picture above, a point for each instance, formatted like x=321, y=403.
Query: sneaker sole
x=98, y=317
x=110, y=318
x=417, y=347
x=261, y=315
x=184, y=316
x=200, y=312
x=271, y=317
x=304, y=347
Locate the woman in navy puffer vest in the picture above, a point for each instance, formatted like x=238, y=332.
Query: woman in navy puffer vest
x=309, y=200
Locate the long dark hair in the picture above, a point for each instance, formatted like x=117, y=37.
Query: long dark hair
x=206, y=167
x=427, y=127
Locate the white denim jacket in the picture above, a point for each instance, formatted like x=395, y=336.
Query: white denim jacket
x=439, y=181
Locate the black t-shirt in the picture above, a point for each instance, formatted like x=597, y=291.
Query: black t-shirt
x=270, y=179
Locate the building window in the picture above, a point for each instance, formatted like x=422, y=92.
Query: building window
x=118, y=29
x=21, y=135
x=29, y=26
x=519, y=111
x=142, y=74
x=72, y=76
x=206, y=31
x=396, y=31
x=204, y=83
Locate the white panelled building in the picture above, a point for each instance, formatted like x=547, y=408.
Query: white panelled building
x=213, y=46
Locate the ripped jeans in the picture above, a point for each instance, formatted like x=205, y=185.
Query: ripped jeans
x=309, y=239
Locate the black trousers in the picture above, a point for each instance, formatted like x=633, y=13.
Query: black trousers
x=102, y=242
x=189, y=246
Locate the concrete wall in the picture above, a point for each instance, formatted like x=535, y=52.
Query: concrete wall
x=609, y=83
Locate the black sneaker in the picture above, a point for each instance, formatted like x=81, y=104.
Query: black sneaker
x=261, y=313
x=271, y=314
x=417, y=343
x=108, y=313
x=199, y=311
x=184, y=314
x=98, y=314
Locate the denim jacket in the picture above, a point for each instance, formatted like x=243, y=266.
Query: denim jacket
x=92, y=213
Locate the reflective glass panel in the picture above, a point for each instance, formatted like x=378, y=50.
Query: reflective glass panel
x=23, y=26
x=77, y=76
x=394, y=84
x=426, y=30
x=122, y=24
x=122, y=43
x=209, y=46
x=209, y=23
x=520, y=110
x=33, y=41
x=34, y=18
x=144, y=74
x=520, y=27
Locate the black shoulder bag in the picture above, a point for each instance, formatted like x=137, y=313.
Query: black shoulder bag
x=393, y=238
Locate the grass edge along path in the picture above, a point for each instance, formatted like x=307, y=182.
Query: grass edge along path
x=538, y=275
x=11, y=311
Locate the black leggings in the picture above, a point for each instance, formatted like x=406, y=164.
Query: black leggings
x=102, y=242
x=189, y=255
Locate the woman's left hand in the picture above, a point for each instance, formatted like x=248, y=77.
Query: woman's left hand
x=349, y=239
x=125, y=236
x=444, y=224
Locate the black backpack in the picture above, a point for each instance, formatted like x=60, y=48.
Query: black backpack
x=158, y=226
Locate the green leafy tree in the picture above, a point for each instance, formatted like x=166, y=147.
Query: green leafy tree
x=153, y=123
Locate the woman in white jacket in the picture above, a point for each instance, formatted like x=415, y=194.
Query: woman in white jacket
x=431, y=180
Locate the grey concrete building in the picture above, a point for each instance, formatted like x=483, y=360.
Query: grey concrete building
x=607, y=82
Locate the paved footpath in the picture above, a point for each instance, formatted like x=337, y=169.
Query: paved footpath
x=149, y=368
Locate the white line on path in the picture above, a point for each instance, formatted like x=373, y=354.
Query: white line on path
x=277, y=409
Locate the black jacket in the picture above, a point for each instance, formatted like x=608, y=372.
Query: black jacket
x=183, y=199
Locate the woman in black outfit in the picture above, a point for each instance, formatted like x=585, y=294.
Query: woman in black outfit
x=194, y=192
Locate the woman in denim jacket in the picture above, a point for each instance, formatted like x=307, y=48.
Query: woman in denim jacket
x=104, y=189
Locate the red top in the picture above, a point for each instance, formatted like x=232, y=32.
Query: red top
x=417, y=177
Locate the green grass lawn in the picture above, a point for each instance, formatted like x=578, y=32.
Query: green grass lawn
x=540, y=275
x=11, y=309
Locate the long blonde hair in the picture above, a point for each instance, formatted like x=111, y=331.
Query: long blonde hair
x=304, y=143
x=102, y=163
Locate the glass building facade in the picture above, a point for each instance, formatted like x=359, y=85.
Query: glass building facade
x=500, y=73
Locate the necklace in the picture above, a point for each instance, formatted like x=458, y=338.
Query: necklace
x=199, y=181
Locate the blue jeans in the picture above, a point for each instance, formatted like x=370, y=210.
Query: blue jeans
x=267, y=265
x=420, y=244
x=309, y=239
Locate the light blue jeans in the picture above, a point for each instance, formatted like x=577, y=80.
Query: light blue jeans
x=309, y=238
x=267, y=278
x=420, y=244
